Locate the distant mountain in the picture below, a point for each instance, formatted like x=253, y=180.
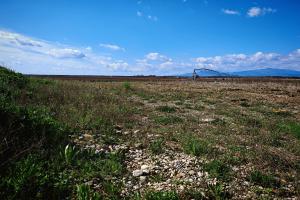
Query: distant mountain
x=251, y=73
x=205, y=73
x=269, y=72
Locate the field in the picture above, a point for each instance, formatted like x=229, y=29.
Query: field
x=149, y=139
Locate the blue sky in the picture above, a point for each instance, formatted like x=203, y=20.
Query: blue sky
x=128, y=37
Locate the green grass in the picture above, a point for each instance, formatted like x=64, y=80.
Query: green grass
x=218, y=169
x=167, y=109
x=265, y=180
x=127, y=86
x=36, y=161
x=291, y=127
x=162, y=195
x=195, y=146
x=156, y=146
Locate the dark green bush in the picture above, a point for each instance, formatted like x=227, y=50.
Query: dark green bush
x=264, y=180
x=218, y=169
x=162, y=195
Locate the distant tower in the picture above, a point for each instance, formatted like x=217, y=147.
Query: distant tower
x=194, y=74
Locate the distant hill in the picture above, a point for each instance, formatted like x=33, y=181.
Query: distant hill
x=251, y=73
x=269, y=72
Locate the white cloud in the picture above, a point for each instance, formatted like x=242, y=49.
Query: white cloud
x=19, y=39
x=230, y=12
x=118, y=65
x=157, y=57
x=112, y=47
x=154, y=18
x=239, y=62
x=145, y=16
x=66, y=53
x=29, y=55
x=257, y=11
x=44, y=57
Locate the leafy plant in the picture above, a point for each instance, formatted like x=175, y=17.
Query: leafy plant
x=264, y=180
x=218, y=169
x=70, y=153
x=167, y=109
x=127, y=86
x=165, y=120
x=83, y=192
x=161, y=195
x=156, y=146
x=291, y=127
x=217, y=191
x=194, y=146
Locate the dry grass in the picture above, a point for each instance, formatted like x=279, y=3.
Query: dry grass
x=244, y=125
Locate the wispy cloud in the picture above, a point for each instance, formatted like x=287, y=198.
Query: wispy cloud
x=156, y=57
x=113, y=47
x=149, y=17
x=66, y=53
x=230, y=12
x=139, y=13
x=257, y=11
x=29, y=55
x=154, y=18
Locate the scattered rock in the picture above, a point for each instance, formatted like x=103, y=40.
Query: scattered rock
x=191, y=172
x=143, y=179
x=137, y=173
x=207, y=120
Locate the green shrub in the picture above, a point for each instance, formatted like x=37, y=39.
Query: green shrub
x=84, y=193
x=218, y=169
x=290, y=127
x=194, y=194
x=161, y=195
x=194, y=146
x=70, y=154
x=156, y=146
x=264, y=180
x=167, y=109
x=165, y=120
x=127, y=86
x=217, y=191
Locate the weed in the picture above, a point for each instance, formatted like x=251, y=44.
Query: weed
x=196, y=147
x=127, y=86
x=291, y=127
x=83, y=192
x=244, y=104
x=194, y=194
x=165, y=120
x=156, y=146
x=161, y=195
x=217, y=191
x=218, y=169
x=167, y=109
x=70, y=154
x=157, y=178
x=264, y=180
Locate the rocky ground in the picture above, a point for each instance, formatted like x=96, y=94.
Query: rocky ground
x=234, y=123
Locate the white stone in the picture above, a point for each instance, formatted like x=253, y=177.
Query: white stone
x=137, y=172
x=143, y=179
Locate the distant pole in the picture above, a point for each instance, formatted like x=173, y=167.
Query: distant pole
x=194, y=75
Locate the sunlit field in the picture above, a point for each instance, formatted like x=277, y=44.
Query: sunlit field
x=149, y=139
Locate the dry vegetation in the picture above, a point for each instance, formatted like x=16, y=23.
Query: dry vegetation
x=175, y=139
